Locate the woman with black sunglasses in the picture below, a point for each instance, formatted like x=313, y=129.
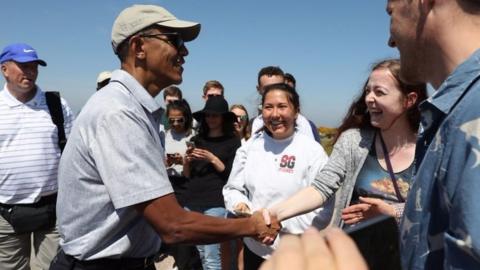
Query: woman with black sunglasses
x=242, y=125
x=179, y=117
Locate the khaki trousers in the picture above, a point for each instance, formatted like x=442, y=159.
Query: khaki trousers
x=26, y=251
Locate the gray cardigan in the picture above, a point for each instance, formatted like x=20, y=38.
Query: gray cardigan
x=338, y=176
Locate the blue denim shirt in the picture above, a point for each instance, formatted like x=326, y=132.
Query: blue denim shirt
x=441, y=224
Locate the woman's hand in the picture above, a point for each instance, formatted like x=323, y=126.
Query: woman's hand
x=242, y=209
x=202, y=154
x=367, y=208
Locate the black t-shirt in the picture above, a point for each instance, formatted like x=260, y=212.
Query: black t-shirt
x=204, y=188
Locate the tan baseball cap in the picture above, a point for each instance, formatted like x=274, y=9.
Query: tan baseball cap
x=137, y=17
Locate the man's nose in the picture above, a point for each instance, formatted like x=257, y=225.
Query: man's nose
x=391, y=42
x=183, y=51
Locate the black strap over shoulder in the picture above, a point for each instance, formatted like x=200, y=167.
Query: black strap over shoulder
x=55, y=107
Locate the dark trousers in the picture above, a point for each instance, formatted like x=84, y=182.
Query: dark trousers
x=66, y=262
x=251, y=261
x=186, y=256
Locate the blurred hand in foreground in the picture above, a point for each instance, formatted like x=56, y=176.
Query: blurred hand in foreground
x=330, y=249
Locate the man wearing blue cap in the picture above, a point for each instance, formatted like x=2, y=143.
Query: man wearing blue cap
x=29, y=156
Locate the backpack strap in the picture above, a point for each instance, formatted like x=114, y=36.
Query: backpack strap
x=55, y=107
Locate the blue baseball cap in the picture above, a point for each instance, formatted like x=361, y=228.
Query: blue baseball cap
x=21, y=53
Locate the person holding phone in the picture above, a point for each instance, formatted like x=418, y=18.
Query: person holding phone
x=179, y=133
x=177, y=136
x=272, y=165
x=208, y=164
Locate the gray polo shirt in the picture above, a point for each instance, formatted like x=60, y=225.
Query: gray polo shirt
x=113, y=160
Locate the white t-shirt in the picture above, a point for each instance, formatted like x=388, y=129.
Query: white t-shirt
x=267, y=171
x=176, y=143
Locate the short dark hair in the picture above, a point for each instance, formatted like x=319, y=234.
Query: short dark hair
x=102, y=84
x=172, y=90
x=212, y=84
x=289, y=77
x=122, y=48
x=270, y=71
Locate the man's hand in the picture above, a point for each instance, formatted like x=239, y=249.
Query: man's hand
x=267, y=227
x=368, y=208
x=330, y=249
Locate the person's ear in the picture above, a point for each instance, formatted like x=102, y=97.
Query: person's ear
x=411, y=99
x=137, y=47
x=426, y=6
x=4, y=70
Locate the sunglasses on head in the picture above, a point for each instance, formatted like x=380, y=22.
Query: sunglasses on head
x=172, y=121
x=173, y=39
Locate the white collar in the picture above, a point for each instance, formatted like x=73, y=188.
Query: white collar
x=11, y=101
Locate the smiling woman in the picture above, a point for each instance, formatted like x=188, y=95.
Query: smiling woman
x=280, y=107
x=272, y=165
x=372, y=161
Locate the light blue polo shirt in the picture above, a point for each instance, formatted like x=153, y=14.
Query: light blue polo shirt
x=113, y=161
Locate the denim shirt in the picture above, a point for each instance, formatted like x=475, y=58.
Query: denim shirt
x=441, y=224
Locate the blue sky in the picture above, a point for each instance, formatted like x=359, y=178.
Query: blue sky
x=327, y=45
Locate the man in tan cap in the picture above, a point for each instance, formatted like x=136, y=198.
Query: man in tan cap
x=115, y=201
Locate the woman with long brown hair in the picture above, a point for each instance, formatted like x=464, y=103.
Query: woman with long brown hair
x=371, y=166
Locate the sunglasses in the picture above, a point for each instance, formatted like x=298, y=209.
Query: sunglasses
x=173, y=39
x=172, y=121
x=213, y=95
x=241, y=118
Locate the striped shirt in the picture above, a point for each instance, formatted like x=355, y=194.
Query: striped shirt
x=29, y=152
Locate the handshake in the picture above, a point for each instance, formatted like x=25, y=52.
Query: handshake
x=266, y=225
x=328, y=249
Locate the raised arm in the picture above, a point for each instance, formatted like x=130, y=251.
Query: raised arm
x=327, y=181
x=302, y=202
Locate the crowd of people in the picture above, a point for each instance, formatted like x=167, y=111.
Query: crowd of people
x=127, y=180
